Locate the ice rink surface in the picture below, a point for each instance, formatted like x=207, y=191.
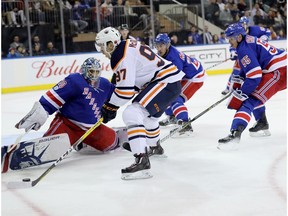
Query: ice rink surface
x=196, y=179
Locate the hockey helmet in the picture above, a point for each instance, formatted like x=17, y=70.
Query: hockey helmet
x=162, y=38
x=91, y=69
x=106, y=35
x=234, y=30
x=244, y=19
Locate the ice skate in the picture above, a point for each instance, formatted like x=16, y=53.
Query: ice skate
x=225, y=92
x=260, y=128
x=138, y=170
x=187, y=130
x=168, y=121
x=157, y=150
x=231, y=142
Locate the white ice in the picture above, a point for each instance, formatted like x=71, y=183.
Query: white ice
x=196, y=179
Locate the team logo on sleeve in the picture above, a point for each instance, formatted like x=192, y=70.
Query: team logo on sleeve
x=182, y=56
x=60, y=85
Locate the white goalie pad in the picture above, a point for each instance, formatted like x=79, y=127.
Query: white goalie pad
x=34, y=152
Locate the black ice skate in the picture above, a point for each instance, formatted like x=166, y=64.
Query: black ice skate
x=138, y=170
x=153, y=151
x=187, y=127
x=232, y=139
x=260, y=128
x=225, y=92
x=168, y=121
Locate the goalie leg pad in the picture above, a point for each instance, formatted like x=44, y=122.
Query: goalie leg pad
x=35, y=152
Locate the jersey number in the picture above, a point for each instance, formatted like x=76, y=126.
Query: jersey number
x=121, y=75
x=150, y=55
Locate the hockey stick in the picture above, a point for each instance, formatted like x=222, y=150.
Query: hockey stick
x=174, y=131
x=27, y=183
x=217, y=64
x=19, y=138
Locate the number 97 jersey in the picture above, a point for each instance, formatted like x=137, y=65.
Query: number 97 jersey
x=135, y=66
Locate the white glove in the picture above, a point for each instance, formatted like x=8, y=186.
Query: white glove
x=236, y=82
x=233, y=54
x=236, y=99
x=264, y=38
x=37, y=116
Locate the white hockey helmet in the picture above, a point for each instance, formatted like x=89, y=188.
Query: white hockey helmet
x=106, y=35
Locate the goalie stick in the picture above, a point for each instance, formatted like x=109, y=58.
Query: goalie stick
x=27, y=183
x=19, y=138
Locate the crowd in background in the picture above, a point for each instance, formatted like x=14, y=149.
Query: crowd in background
x=266, y=13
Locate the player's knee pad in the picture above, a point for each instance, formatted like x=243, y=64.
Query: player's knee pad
x=134, y=114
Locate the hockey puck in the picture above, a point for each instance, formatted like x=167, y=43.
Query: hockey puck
x=26, y=180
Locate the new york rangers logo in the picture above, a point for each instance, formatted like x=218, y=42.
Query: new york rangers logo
x=60, y=85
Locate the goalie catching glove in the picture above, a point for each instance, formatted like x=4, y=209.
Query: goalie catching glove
x=236, y=99
x=109, y=112
x=38, y=116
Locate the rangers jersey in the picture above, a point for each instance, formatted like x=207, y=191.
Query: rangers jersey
x=190, y=66
x=258, y=31
x=77, y=100
x=256, y=57
x=136, y=66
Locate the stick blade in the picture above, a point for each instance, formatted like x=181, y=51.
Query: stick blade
x=19, y=185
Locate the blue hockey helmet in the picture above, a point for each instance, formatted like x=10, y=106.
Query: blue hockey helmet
x=234, y=30
x=162, y=38
x=244, y=19
x=91, y=69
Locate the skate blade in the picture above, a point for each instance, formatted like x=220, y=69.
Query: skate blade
x=143, y=174
x=261, y=133
x=159, y=156
x=230, y=146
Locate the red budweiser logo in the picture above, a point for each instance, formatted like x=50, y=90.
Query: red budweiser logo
x=48, y=68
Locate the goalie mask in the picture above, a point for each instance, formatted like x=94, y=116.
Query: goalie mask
x=91, y=70
x=105, y=36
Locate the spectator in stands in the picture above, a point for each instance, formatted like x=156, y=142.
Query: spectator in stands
x=124, y=31
x=51, y=50
x=37, y=50
x=38, y=15
x=128, y=9
x=269, y=20
x=77, y=17
x=208, y=35
x=189, y=40
x=258, y=18
x=281, y=35
x=12, y=53
x=36, y=41
x=118, y=12
x=235, y=12
x=6, y=10
x=257, y=8
x=221, y=5
x=49, y=8
x=222, y=38
x=174, y=40
x=242, y=6
x=16, y=42
x=107, y=13
x=212, y=12
x=215, y=39
x=142, y=12
x=18, y=10
x=197, y=39
x=225, y=17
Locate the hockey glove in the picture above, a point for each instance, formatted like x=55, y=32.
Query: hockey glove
x=109, y=112
x=264, y=38
x=233, y=54
x=236, y=82
x=38, y=116
x=236, y=99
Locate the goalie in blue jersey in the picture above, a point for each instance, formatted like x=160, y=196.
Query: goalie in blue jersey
x=77, y=101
